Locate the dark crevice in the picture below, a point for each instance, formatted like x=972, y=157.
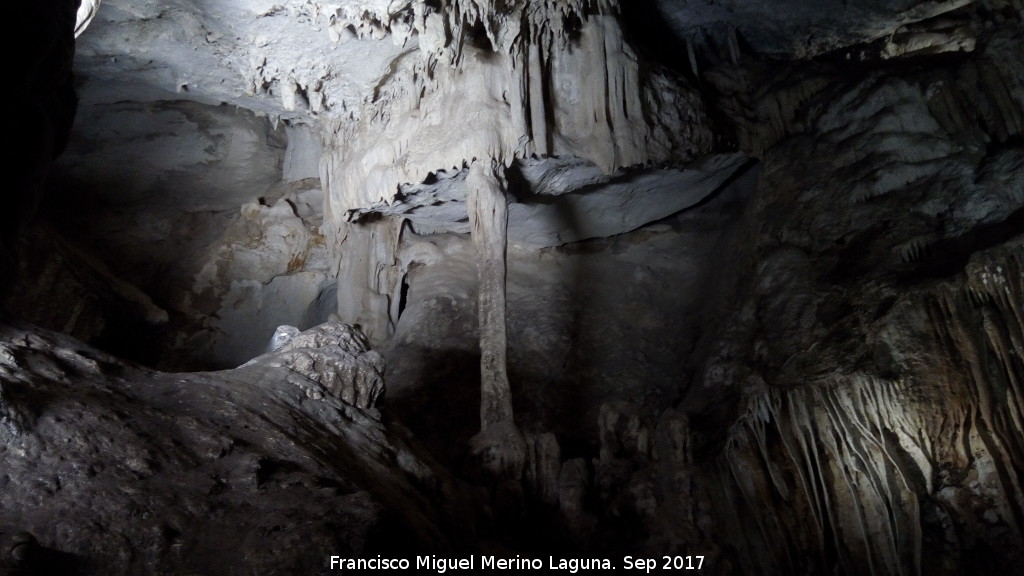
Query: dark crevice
x=476, y=36
x=647, y=29
x=949, y=256
x=403, y=296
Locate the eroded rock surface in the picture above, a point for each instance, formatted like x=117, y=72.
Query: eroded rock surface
x=757, y=294
x=122, y=470
x=876, y=349
x=334, y=359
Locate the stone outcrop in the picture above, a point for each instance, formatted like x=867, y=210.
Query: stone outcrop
x=721, y=31
x=334, y=359
x=123, y=470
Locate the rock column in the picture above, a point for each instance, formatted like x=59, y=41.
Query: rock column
x=488, y=217
x=499, y=448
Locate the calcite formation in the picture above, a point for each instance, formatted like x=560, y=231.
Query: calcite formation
x=495, y=83
x=725, y=279
x=334, y=359
x=888, y=461
x=488, y=217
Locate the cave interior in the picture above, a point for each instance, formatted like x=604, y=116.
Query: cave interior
x=286, y=284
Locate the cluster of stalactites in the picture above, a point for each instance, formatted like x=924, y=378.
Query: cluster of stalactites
x=441, y=27
x=878, y=463
x=495, y=81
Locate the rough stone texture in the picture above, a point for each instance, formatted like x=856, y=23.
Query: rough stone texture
x=65, y=285
x=269, y=268
x=264, y=56
x=11, y=418
x=147, y=155
x=171, y=239
x=564, y=200
x=366, y=255
x=499, y=82
x=860, y=410
x=551, y=79
x=763, y=287
x=488, y=218
x=336, y=359
x=876, y=347
x=121, y=470
x=797, y=28
x=610, y=319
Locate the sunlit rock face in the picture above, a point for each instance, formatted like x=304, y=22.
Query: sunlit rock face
x=734, y=279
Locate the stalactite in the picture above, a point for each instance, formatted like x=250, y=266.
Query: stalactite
x=879, y=462
x=537, y=88
x=531, y=88
x=538, y=112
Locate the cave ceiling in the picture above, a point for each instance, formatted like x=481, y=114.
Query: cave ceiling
x=302, y=59
x=409, y=89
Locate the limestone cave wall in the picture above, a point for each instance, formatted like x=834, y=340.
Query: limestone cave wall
x=533, y=285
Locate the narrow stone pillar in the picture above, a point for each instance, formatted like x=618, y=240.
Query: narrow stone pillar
x=488, y=218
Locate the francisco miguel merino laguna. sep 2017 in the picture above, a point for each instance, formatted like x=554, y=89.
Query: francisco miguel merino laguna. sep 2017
x=572, y=565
